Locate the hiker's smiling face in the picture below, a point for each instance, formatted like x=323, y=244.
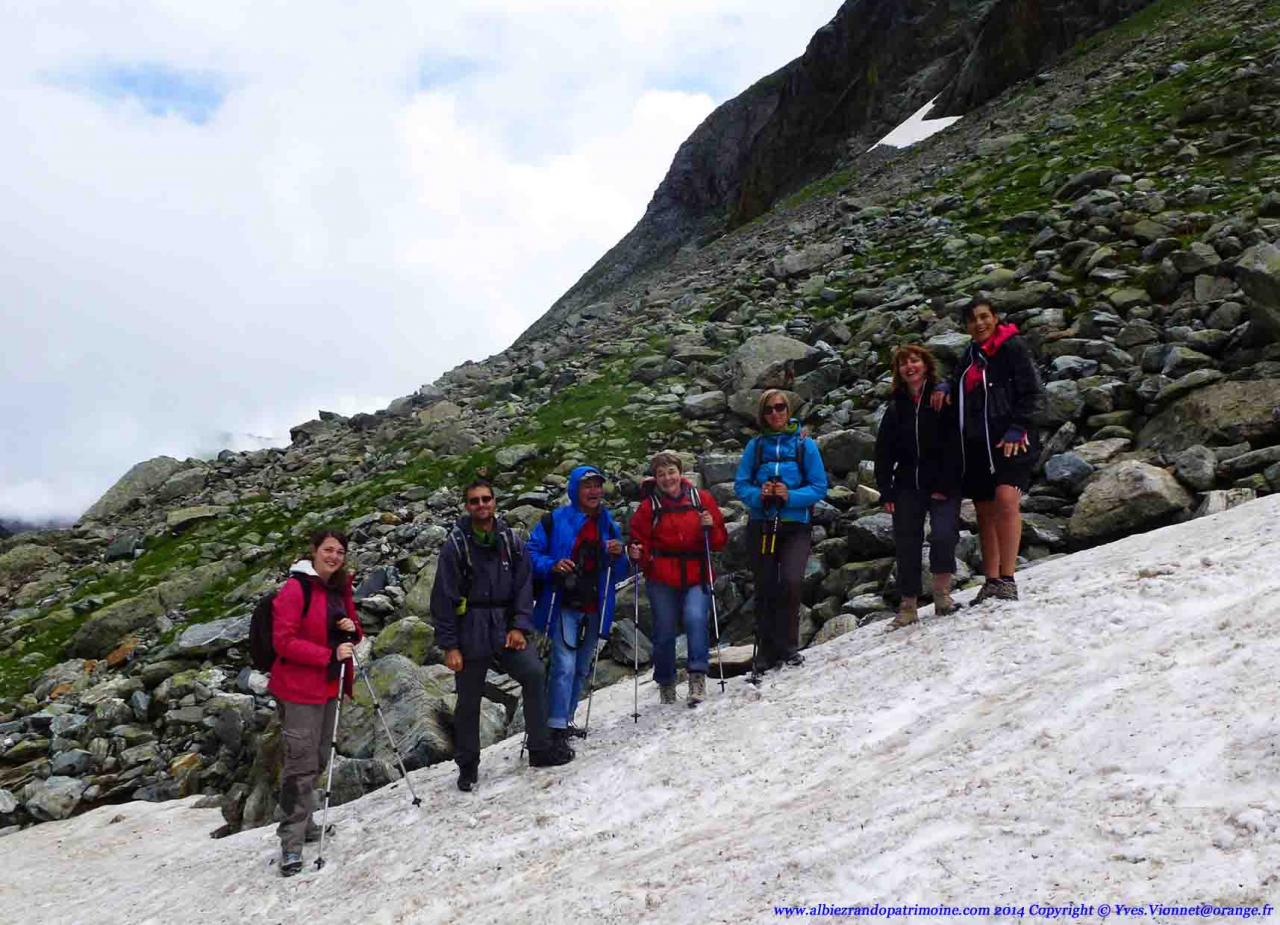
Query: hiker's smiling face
x=481, y=505
x=328, y=557
x=590, y=493
x=669, y=480
x=981, y=323
x=777, y=412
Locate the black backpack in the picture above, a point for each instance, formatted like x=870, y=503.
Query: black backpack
x=262, y=651
x=508, y=551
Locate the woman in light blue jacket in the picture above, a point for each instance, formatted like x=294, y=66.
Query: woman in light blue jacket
x=780, y=478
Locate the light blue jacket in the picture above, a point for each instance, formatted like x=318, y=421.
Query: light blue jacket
x=780, y=457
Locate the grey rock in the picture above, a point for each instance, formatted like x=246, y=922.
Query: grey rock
x=182, y=483
x=72, y=763
x=1215, y=502
x=842, y=450
x=54, y=798
x=1125, y=498
x=1258, y=272
x=718, y=468
x=1068, y=471
x=871, y=536
x=704, y=405
x=418, y=704
x=183, y=518
x=439, y=413
x=511, y=457
x=215, y=636
x=623, y=646
x=124, y=545
x=133, y=486
x=1252, y=461
x=1062, y=402
x=1196, y=467
x=771, y=360
x=355, y=777
x=410, y=637
x=837, y=626
x=796, y=263
x=1197, y=379
x=1226, y=412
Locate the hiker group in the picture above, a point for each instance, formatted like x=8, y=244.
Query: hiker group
x=940, y=440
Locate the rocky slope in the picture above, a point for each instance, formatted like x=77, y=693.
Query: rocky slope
x=874, y=64
x=1122, y=208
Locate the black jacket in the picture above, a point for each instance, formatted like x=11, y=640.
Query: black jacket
x=500, y=596
x=1009, y=395
x=917, y=448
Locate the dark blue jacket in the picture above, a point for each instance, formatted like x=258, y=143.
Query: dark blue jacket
x=500, y=597
x=545, y=551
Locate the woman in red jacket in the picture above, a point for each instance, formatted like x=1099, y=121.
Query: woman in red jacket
x=669, y=534
x=310, y=647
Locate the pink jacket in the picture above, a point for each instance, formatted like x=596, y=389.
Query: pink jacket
x=303, y=653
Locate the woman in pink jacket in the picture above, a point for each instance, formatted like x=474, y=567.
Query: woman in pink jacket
x=310, y=647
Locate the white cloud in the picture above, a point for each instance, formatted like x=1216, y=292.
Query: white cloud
x=314, y=240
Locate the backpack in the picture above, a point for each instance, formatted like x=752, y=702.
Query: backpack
x=262, y=650
x=692, y=502
x=798, y=459
x=507, y=547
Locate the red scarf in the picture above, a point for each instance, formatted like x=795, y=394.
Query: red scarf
x=973, y=375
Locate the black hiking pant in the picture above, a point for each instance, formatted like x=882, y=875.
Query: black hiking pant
x=910, y=507
x=779, y=574
x=526, y=668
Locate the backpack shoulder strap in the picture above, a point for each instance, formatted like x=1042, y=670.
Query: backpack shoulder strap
x=306, y=593
x=463, y=552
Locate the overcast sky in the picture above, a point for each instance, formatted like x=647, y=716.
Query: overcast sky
x=219, y=218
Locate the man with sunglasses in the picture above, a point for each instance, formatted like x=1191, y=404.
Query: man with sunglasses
x=481, y=605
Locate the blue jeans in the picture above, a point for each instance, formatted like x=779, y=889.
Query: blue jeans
x=669, y=603
x=569, y=667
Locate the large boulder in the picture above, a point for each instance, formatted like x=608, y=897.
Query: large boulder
x=133, y=486
x=1126, y=498
x=418, y=601
x=53, y=798
x=185, y=517
x=417, y=702
x=182, y=483
x=771, y=361
x=1258, y=272
x=215, y=636
x=799, y=262
x=99, y=634
x=844, y=449
x=410, y=637
x=1224, y=413
x=22, y=562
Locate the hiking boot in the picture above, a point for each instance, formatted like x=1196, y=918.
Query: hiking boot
x=574, y=731
x=907, y=614
x=554, y=755
x=1006, y=590
x=467, y=777
x=290, y=863
x=944, y=604
x=560, y=739
x=795, y=659
x=697, y=688
x=666, y=693
x=990, y=589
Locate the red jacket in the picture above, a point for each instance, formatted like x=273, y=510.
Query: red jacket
x=674, y=551
x=303, y=653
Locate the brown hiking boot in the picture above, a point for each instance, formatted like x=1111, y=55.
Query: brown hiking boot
x=907, y=614
x=990, y=589
x=697, y=688
x=943, y=604
x=666, y=693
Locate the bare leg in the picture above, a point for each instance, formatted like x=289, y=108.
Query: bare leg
x=988, y=535
x=1008, y=523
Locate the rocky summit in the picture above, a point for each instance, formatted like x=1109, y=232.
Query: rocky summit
x=1113, y=186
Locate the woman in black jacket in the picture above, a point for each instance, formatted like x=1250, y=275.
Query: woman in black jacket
x=996, y=391
x=918, y=474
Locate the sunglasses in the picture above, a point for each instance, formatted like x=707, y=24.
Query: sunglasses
x=482, y=499
x=782, y=406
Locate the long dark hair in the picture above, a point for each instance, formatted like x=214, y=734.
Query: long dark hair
x=339, y=578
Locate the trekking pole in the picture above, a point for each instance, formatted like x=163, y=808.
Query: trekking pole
x=635, y=650
x=333, y=752
x=595, y=656
x=711, y=589
x=364, y=673
x=546, y=678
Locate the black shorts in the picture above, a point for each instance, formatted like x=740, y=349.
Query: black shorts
x=979, y=483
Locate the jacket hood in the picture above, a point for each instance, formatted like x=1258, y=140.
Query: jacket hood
x=575, y=478
x=303, y=567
